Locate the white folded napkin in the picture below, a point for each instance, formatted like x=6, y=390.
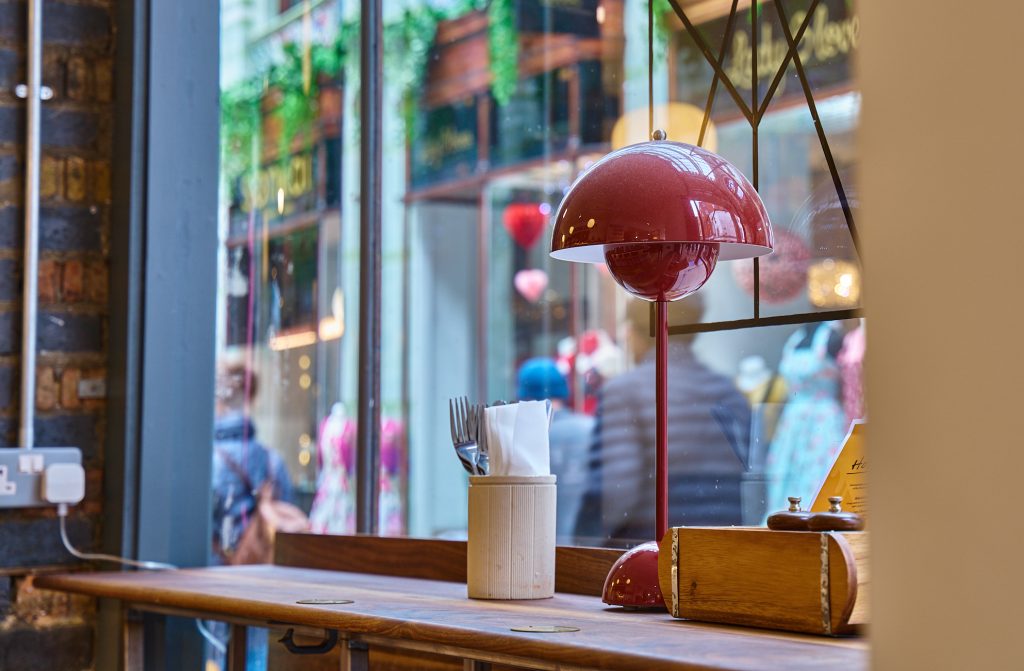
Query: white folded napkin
x=517, y=438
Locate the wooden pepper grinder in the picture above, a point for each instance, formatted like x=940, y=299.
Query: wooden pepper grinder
x=835, y=519
x=793, y=519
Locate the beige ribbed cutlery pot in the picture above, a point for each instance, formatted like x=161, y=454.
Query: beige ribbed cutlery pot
x=511, y=548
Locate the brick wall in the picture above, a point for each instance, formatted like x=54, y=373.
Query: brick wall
x=38, y=629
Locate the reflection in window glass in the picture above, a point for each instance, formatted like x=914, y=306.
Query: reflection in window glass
x=491, y=110
x=286, y=280
x=498, y=135
x=755, y=416
x=815, y=266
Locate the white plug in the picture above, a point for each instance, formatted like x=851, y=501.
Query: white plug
x=64, y=483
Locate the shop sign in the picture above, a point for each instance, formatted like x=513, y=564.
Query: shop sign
x=279, y=186
x=282, y=189
x=826, y=53
x=445, y=144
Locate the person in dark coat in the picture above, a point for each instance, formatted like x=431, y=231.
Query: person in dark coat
x=708, y=432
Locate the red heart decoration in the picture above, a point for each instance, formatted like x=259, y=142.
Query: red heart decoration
x=531, y=284
x=525, y=222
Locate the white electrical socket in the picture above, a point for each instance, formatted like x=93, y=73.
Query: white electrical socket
x=22, y=473
x=7, y=487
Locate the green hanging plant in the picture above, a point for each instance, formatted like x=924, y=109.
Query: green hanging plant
x=504, y=49
x=463, y=7
x=407, y=45
x=663, y=14
x=296, y=108
x=239, y=126
x=408, y=42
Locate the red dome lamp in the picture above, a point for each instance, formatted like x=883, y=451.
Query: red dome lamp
x=661, y=215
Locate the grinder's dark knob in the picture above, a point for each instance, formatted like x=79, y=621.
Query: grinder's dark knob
x=835, y=519
x=793, y=519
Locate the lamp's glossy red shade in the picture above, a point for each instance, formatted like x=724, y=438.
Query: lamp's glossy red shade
x=661, y=215
x=662, y=272
x=633, y=579
x=657, y=192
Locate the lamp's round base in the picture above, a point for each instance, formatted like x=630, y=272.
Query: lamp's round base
x=632, y=581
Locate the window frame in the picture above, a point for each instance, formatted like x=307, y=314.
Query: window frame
x=163, y=256
x=753, y=114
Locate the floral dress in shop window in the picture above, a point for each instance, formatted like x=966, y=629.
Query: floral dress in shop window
x=334, y=506
x=813, y=422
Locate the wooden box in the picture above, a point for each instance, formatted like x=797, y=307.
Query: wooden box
x=812, y=582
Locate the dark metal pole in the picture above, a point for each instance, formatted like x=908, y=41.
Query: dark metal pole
x=370, y=145
x=483, y=262
x=650, y=70
x=661, y=336
x=754, y=123
x=661, y=420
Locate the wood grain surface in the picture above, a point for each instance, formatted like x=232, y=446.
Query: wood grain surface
x=767, y=578
x=438, y=614
x=859, y=544
x=578, y=570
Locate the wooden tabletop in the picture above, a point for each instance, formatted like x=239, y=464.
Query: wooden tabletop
x=438, y=613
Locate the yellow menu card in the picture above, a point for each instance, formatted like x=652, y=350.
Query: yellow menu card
x=848, y=476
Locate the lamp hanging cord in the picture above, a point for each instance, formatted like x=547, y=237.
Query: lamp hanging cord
x=650, y=69
x=62, y=512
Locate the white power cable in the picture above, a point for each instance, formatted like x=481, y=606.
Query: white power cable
x=62, y=513
x=211, y=638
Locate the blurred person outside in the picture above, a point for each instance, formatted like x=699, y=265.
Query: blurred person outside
x=569, y=437
x=708, y=435
x=242, y=465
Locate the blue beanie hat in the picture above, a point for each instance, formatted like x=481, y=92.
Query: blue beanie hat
x=539, y=379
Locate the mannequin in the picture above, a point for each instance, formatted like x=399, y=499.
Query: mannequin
x=333, y=508
x=393, y=477
x=835, y=339
x=812, y=425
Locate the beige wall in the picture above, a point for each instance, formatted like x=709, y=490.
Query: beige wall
x=943, y=231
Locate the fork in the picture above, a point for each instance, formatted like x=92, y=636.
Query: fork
x=464, y=421
x=483, y=460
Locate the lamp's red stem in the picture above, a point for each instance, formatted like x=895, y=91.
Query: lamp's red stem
x=661, y=436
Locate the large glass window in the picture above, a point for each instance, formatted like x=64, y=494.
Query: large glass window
x=491, y=110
